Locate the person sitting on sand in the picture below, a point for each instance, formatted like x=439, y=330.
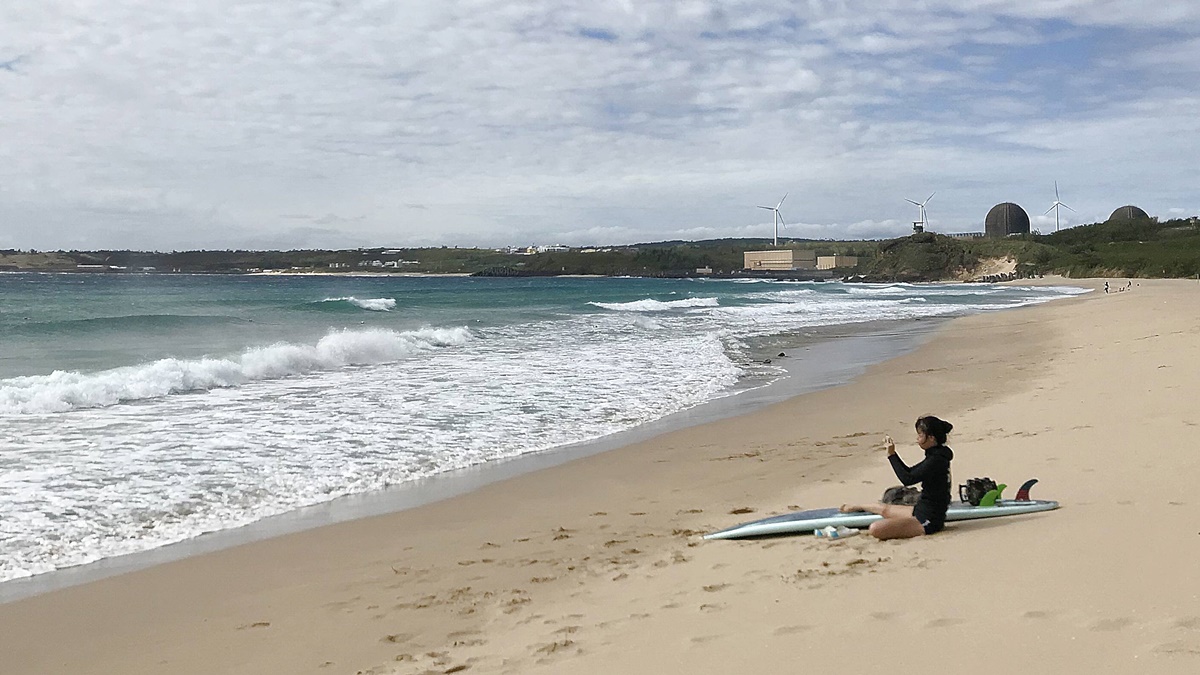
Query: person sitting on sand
x=928, y=515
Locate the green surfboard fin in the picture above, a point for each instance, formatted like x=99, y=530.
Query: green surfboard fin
x=990, y=498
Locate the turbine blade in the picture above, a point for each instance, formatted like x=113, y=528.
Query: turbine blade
x=912, y=202
x=928, y=198
x=769, y=208
x=781, y=200
x=1056, y=197
x=1051, y=209
x=1068, y=208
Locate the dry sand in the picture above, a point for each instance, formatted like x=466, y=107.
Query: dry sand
x=596, y=566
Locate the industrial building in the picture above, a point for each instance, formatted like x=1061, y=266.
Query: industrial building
x=1005, y=219
x=780, y=260
x=832, y=262
x=1128, y=212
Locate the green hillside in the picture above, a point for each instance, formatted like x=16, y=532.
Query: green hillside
x=1138, y=248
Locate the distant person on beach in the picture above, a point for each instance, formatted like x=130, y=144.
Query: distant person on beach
x=1106, y=287
x=928, y=515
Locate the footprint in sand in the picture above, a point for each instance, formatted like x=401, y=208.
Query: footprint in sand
x=943, y=622
x=792, y=630
x=1037, y=614
x=1110, y=624
x=533, y=619
x=554, y=647
x=1185, y=647
x=463, y=638
x=1188, y=622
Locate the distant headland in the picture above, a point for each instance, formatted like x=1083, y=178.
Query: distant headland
x=1134, y=246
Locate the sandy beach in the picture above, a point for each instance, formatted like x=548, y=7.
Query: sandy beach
x=597, y=565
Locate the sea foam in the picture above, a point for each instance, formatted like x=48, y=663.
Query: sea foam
x=372, y=304
x=61, y=390
x=650, y=305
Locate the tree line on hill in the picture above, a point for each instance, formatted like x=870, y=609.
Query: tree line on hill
x=1137, y=248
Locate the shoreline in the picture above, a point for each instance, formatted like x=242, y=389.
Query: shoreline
x=596, y=565
x=835, y=356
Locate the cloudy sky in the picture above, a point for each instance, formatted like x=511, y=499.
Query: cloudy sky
x=153, y=124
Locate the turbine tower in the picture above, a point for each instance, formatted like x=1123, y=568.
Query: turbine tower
x=1056, y=206
x=921, y=206
x=778, y=216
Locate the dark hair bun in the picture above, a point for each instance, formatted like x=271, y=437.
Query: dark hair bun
x=934, y=426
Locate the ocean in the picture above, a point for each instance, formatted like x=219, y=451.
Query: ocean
x=141, y=410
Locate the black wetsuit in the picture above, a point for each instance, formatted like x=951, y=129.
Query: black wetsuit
x=933, y=473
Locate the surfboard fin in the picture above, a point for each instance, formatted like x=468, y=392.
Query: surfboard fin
x=990, y=498
x=1023, y=493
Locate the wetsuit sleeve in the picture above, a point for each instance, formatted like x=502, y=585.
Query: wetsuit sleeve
x=916, y=474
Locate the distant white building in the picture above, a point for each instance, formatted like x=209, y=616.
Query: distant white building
x=532, y=250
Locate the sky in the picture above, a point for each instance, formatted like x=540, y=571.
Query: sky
x=152, y=125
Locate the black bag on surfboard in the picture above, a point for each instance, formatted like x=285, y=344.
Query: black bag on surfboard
x=974, y=490
x=906, y=496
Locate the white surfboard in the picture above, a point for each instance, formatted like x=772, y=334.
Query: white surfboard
x=802, y=522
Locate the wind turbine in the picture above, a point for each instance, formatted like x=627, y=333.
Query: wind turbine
x=778, y=216
x=1055, y=207
x=921, y=205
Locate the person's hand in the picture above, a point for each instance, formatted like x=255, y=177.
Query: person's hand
x=889, y=445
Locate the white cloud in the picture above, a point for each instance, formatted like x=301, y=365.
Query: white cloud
x=137, y=124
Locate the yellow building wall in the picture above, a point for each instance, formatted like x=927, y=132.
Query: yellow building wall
x=780, y=260
x=829, y=262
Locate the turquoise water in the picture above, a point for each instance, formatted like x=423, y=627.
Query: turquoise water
x=140, y=410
